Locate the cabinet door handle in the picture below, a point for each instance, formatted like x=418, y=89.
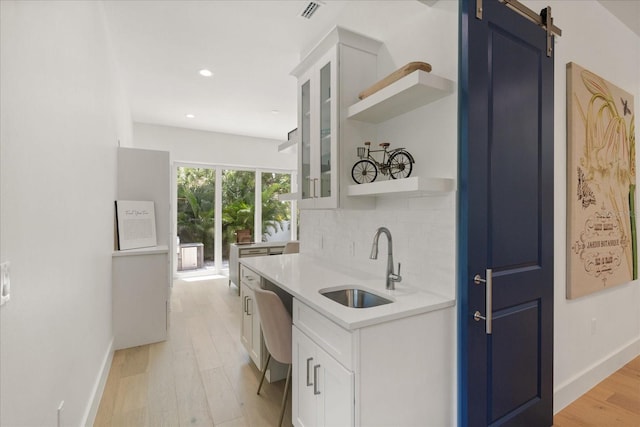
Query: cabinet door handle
x=488, y=317
x=316, y=389
x=315, y=180
x=248, y=305
x=244, y=309
x=309, y=383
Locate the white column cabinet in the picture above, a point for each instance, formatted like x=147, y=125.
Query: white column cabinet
x=323, y=389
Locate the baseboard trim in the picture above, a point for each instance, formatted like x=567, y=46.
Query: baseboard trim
x=96, y=394
x=572, y=389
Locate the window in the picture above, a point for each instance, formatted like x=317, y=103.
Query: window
x=215, y=205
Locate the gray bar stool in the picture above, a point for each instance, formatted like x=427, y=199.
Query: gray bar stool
x=276, y=329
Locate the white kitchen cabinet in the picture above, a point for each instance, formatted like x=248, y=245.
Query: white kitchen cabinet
x=324, y=381
x=251, y=329
x=397, y=355
x=370, y=376
x=323, y=389
x=318, y=126
x=250, y=334
x=244, y=250
x=329, y=77
x=246, y=326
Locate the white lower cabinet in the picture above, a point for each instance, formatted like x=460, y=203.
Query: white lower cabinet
x=140, y=296
x=250, y=333
x=386, y=374
x=323, y=389
x=251, y=328
x=369, y=372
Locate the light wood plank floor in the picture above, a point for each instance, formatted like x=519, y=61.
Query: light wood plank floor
x=613, y=402
x=200, y=376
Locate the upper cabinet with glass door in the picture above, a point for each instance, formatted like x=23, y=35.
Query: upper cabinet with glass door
x=324, y=89
x=318, y=129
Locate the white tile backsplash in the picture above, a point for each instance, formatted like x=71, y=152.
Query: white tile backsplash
x=423, y=231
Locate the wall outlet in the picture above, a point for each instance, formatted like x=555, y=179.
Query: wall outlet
x=5, y=283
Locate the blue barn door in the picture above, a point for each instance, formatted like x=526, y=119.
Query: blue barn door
x=505, y=218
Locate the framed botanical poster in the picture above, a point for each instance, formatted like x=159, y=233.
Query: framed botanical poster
x=601, y=179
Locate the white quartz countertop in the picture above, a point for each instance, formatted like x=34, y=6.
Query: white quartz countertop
x=303, y=276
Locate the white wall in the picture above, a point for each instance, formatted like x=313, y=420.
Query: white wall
x=61, y=116
x=596, y=40
x=195, y=146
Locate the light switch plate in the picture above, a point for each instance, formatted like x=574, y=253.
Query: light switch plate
x=5, y=283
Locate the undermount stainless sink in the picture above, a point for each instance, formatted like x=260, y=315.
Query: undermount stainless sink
x=354, y=297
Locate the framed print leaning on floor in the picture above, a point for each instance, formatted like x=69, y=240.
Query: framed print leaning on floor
x=601, y=179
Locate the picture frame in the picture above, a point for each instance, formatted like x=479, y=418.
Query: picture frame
x=601, y=184
x=135, y=224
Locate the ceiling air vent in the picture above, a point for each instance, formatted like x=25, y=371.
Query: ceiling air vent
x=310, y=9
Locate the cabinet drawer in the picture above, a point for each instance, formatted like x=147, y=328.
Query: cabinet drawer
x=249, y=277
x=254, y=252
x=332, y=338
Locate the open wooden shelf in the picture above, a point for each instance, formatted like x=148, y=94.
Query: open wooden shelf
x=416, y=186
x=410, y=92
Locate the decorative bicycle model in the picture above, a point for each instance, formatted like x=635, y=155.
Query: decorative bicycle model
x=398, y=163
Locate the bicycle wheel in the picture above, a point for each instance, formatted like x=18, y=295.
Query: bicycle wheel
x=400, y=165
x=364, y=171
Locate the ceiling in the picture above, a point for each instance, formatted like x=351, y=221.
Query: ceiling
x=250, y=46
x=627, y=11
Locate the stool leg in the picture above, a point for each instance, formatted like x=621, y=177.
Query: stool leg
x=284, y=397
x=264, y=372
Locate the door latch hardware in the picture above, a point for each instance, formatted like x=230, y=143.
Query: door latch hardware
x=488, y=281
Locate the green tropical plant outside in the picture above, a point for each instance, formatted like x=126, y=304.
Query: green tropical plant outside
x=196, y=206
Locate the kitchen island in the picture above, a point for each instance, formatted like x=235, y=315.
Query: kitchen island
x=383, y=365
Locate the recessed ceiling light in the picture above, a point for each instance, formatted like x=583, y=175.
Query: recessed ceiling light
x=190, y=116
x=206, y=73
x=275, y=111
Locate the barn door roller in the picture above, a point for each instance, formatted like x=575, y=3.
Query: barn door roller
x=543, y=20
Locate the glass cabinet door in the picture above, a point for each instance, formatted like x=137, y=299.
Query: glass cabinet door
x=305, y=141
x=325, y=131
x=317, y=154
